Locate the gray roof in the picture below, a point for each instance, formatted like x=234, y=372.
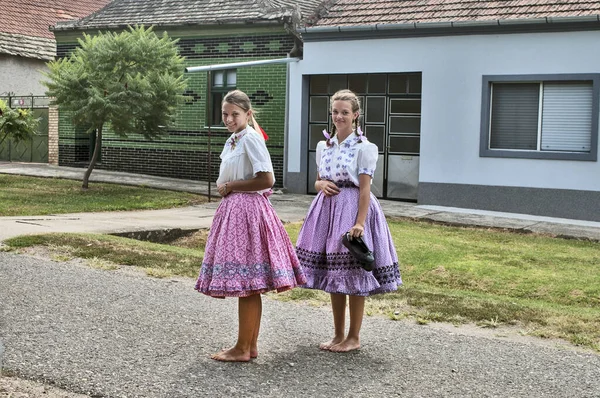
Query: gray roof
x=120, y=13
x=27, y=46
x=24, y=24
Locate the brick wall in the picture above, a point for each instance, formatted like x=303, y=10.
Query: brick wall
x=73, y=143
x=53, y=149
x=183, y=152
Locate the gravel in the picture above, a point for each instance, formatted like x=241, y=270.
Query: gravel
x=123, y=334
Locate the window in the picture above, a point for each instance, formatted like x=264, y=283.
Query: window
x=542, y=117
x=223, y=81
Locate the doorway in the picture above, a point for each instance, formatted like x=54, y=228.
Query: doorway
x=391, y=119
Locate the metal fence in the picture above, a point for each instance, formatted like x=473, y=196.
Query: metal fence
x=35, y=149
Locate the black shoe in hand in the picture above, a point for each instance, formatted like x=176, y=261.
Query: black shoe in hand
x=359, y=250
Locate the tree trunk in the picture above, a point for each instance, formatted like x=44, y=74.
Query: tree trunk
x=97, y=149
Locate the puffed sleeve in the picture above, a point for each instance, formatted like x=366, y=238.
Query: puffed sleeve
x=367, y=158
x=257, y=152
x=320, y=146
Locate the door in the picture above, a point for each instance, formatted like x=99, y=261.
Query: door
x=391, y=119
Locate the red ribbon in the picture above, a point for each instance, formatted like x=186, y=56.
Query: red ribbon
x=265, y=136
x=259, y=129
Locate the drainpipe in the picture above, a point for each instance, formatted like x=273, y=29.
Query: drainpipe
x=240, y=64
x=286, y=125
x=209, y=120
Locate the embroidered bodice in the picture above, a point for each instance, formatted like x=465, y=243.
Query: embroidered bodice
x=346, y=160
x=244, y=154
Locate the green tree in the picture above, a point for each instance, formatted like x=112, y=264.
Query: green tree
x=130, y=81
x=18, y=124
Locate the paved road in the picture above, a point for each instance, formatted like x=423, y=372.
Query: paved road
x=122, y=334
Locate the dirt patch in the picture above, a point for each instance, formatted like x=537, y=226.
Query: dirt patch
x=508, y=333
x=192, y=241
x=13, y=387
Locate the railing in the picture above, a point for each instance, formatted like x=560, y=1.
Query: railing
x=25, y=101
x=34, y=149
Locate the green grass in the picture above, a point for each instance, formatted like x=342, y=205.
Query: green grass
x=533, y=267
x=26, y=196
x=538, y=285
x=546, y=286
x=157, y=259
x=494, y=262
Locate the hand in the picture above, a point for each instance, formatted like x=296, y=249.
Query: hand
x=223, y=189
x=327, y=187
x=357, y=231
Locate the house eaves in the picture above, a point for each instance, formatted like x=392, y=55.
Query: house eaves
x=27, y=46
x=24, y=25
x=449, y=28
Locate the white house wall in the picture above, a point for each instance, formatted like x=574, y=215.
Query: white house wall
x=21, y=76
x=452, y=68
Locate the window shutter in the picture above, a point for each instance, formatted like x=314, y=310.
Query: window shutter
x=514, y=121
x=567, y=117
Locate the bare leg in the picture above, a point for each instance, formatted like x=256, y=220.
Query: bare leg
x=254, y=346
x=338, y=305
x=249, y=309
x=352, y=341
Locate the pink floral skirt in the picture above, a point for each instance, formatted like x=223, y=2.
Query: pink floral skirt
x=248, y=251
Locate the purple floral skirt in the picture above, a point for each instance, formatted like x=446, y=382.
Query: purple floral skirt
x=327, y=263
x=248, y=251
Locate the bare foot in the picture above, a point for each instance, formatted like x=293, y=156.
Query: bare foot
x=253, y=352
x=327, y=345
x=350, y=344
x=232, y=355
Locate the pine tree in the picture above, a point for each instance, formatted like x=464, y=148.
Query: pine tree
x=130, y=81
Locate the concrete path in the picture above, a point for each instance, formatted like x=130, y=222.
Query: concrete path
x=290, y=207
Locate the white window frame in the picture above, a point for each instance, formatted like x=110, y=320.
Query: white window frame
x=486, y=109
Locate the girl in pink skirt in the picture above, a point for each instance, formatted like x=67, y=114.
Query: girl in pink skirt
x=248, y=251
x=346, y=164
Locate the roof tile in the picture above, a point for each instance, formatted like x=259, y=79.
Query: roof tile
x=34, y=17
x=27, y=46
x=24, y=25
x=193, y=12
x=371, y=12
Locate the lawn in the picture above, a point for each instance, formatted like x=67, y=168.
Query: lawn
x=28, y=196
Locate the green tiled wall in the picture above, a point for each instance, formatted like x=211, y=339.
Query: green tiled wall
x=183, y=152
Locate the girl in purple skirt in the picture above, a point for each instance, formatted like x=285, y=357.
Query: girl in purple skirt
x=248, y=252
x=346, y=164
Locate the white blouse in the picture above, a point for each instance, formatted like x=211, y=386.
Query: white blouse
x=244, y=154
x=345, y=161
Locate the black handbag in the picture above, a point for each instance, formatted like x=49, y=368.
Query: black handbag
x=358, y=248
